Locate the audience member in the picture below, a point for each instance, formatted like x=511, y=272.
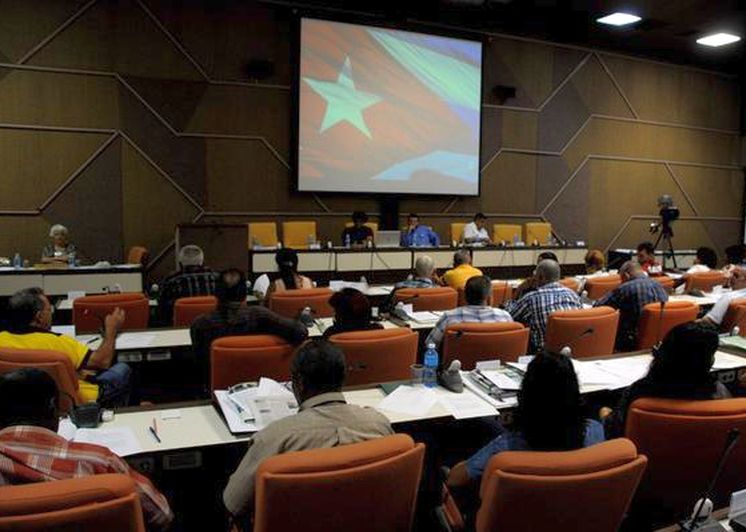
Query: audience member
x=646, y=258
x=636, y=291
x=359, y=234
x=99, y=380
x=529, y=284
x=462, y=270
x=594, y=262
x=192, y=279
x=424, y=274
x=680, y=370
x=31, y=451
x=416, y=235
x=737, y=282
x=324, y=420
x=478, y=309
x=475, y=232
x=288, y=277
x=352, y=312
x=60, y=249
x=735, y=256
x=706, y=260
x=534, y=308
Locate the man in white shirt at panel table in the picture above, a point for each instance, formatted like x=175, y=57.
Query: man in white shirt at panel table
x=475, y=232
x=738, y=284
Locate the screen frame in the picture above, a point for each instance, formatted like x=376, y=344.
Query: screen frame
x=295, y=94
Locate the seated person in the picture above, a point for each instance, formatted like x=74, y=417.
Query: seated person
x=324, y=420
x=594, y=262
x=737, y=282
x=233, y=318
x=475, y=232
x=352, y=312
x=60, y=249
x=549, y=417
x=424, y=274
x=534, y=308
x=478, y=309
x=462, y=270
x=706, y=260
x=636, y=291
x=736, y=257
x=192, y=279
x=681, y=369
x=359, y=234
x=288, y=277
x=99, y=380
x=646, y=258
x=416, y=235
x=31, y=450
x=529, y=284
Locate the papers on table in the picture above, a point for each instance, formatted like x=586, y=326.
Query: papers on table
x=612, y=374
x=734, y=341
x=252, y=408
x=509, y=401
x=67, y=330
x=466, y=405
x=139, y=340
x=724, y=361
x=424, y=316
x=121, y=440
x=339, y=285
x=505, y=380
x=410, y=400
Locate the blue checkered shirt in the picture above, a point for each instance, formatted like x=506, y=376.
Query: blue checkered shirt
x=467, y=314
x=534, y=308
x=417, y=282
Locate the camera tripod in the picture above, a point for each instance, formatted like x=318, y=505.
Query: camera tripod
x=666, y=235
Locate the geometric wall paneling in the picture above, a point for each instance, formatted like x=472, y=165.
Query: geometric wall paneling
x=509, y=184
x=174, y=100
x=713, y=191
x=26, y=235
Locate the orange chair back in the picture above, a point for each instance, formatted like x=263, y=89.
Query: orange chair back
x=566, y=327
x=587, y=490
x=572, y=283
x=439, y=298
x=654, y=325
x=262, y=234
x=88, y=311
x=457, y=231
x=86, y=504
x=376, y=356
x=188, y=309
x=501, y=292
x=138, y=255
x=365, y=487
x=290, y=303
x=597, y=287
x=474, y=342
x=297, y=234
x=705, y=281
x=683, y=441
x=665, y=281
x=731, y=318
x=235, y=359
x=57, y=365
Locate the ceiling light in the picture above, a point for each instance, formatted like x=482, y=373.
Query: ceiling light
x=718, y=39
x=619, y=19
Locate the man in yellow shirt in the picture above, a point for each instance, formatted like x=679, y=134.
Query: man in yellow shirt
x=30, y=328
x=462, y=270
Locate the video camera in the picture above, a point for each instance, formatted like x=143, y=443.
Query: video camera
x=668, y=214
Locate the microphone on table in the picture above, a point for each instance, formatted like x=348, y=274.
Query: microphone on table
x=567, y=348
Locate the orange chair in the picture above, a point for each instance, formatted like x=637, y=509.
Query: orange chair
x=89, y=311
x=86, y=504
x=597, y=287
x=235, y=359
x=665, y=281
x=705, y=281
x=540, y=232
x=501, y=292
x=296, y=235
x=735, y=315
x=473, y=342
x=457, y=231
x=572, y=283
x=262, y=234
x=654, y=325
x=439, y=298
x=566, y=328
x=365, y=487
x=290, y=303
x=507, y=233
x=587, y=490
x=683, y=440
x=58, y=365
x=376, y=356
x=138, y=255
x=188, y=309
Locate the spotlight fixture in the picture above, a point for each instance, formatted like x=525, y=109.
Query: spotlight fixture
x=619, y=19
x=718, y=39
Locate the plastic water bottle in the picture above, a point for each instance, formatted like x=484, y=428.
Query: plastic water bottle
x=17, y=261
x=430, y=375
x=347, y=240
x=71, y=260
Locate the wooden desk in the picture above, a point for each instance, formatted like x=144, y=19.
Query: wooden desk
x=58, y=282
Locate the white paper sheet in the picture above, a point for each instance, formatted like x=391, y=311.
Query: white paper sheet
x=411, y=400
x=121, y=440
x=466, y=405
x=232, y=417
x=590, y=374
x=476, y=390
x=501, y=380
x=135, y=340
x=67, y=330
x=728, y=361
x=339, y=285
x=424, y=316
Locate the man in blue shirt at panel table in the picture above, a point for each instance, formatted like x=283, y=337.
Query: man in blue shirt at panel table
x=416, y=235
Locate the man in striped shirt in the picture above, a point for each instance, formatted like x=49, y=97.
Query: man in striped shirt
x=478, y=309
x=192, y=279
x=534, y=308
x=32, y=451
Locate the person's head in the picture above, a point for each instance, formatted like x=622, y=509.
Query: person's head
x=191, y=256
x=28, y=396
x=318, y=367
x=549, y=413
x=547, y=271
x=413, y=220
x=478, y=291
x=424, y=267
x=59, y=235
x=737, y=279
x=359, y=218
x=645, y=252
x=546, y=255
x=480, y=219
x=735, y=254
x=594, y=261
x=630, y=270
x=682, y=363
x=351, y=306
x=664, y=201
x=30, y=308
x=462, y=256
x=707, y=257
x=287, y=265
x=230, y=287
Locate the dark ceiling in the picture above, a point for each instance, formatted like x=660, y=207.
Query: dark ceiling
x=668, y=30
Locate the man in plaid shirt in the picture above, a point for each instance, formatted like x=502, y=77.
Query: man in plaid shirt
x=32, y=451
x=534, y=308
x=192, y=279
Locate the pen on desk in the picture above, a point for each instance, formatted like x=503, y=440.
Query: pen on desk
x=154, y=431
x=89, y=342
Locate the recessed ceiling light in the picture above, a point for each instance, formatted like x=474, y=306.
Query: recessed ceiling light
x=718, y=39
x=619, y=19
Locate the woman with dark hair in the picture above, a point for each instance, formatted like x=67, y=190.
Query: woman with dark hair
x=352, y=312
x=549, y=417
x=681, y=369
x=288, y=278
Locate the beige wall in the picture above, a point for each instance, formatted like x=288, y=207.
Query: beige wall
x=122, y=119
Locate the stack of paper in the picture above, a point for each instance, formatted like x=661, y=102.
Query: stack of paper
x=253, y=408
x=728, y=361
x=410, y=400
x=121, y=441
x=424, y=316
x=503, y=379
x=734, y=341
